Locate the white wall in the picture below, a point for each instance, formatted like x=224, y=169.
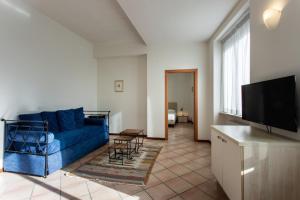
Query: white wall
x=180, y=56
x=129, y=49
x=43, y=66
x=276, y=53
x=129, y=107
x=180, y=90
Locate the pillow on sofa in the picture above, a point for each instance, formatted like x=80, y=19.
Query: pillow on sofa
x=79, y=117
x=52, y=121
x=66, y=119
x=32, y=117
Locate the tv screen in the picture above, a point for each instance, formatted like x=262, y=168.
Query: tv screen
x=272, y=103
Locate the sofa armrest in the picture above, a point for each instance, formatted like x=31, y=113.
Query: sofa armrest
x=26, y=136
x=23, y=136
x=94, y=121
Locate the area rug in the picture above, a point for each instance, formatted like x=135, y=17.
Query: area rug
x=134, y=171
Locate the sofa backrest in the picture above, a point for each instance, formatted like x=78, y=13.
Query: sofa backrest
x=58, y=121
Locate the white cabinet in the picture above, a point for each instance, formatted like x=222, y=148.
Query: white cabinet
x=250, y=164
x=232, y=168
x=217, y=156
x=226, y=165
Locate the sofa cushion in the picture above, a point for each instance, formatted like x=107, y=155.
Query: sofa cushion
x=79, y=117
x=66, y=139
x=32, y=117
x=66, y=120
x=52, y=121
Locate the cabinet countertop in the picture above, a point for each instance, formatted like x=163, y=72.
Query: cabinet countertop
x=247, y=135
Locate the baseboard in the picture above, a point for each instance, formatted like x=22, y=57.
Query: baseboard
x=114, y=133
x=206, y=141
x=155, y=138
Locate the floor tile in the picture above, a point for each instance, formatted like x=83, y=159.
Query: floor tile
x=21, y=189
x=157, y=167
x=192, y=165
x=106, y=193
x=212, y=189
x=203, y=161
x=193, y=178
x=195, y=194
x=46, y=192
x=75, y=190
x=179, y=169
x=86, y=197
x=167, y=163
x=160, y=192
x=180, y=159
x=94, y=186
x=139, y=196
x=177, y=198
x=128, y=189
x=205, y=172
x=165, y=175
x=178, y=185
x=152, y=181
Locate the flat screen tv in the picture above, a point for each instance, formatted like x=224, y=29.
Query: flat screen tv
x=272, y=103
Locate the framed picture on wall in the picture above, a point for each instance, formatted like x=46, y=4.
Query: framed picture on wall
x=119, y=86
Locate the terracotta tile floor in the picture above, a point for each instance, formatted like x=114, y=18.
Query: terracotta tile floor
x=181, y=171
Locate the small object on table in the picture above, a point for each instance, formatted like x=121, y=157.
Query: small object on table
x=137, y=133
x=123, y=139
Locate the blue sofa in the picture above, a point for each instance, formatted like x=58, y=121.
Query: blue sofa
x=41, y=143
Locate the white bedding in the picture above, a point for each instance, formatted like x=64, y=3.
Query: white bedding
x=171, y=117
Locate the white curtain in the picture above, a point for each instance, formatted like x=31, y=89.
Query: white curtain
x=235, y=68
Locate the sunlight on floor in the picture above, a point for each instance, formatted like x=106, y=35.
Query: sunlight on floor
x=181, y=171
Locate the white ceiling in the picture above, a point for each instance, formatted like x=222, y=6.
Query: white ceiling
x=111, y=22
x=99, y=21
x=160, y=21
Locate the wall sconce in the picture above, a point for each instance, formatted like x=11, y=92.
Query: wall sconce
x=271, y=18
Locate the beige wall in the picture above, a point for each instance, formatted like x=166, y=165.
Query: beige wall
x=129, y=107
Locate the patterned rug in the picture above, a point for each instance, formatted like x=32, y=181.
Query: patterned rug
x=134, y=171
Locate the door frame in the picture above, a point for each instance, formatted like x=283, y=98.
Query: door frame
x=195, y=73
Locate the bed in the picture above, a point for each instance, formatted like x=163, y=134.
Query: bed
x=172, y=112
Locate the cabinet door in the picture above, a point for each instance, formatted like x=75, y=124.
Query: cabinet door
x=232, y=168
x=216, y=156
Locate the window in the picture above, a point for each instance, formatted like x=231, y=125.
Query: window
x=235, y=67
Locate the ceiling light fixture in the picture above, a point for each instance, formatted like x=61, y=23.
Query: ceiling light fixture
x=271, y=18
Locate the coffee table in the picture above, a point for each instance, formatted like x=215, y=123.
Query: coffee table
x=137, y=134
x=114, y=150
x=127, y=140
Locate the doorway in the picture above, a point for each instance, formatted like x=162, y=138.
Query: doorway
x=172, y=106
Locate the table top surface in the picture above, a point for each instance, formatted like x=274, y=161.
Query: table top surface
x=124, y=138
x=132, y=131
x=245, y=135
